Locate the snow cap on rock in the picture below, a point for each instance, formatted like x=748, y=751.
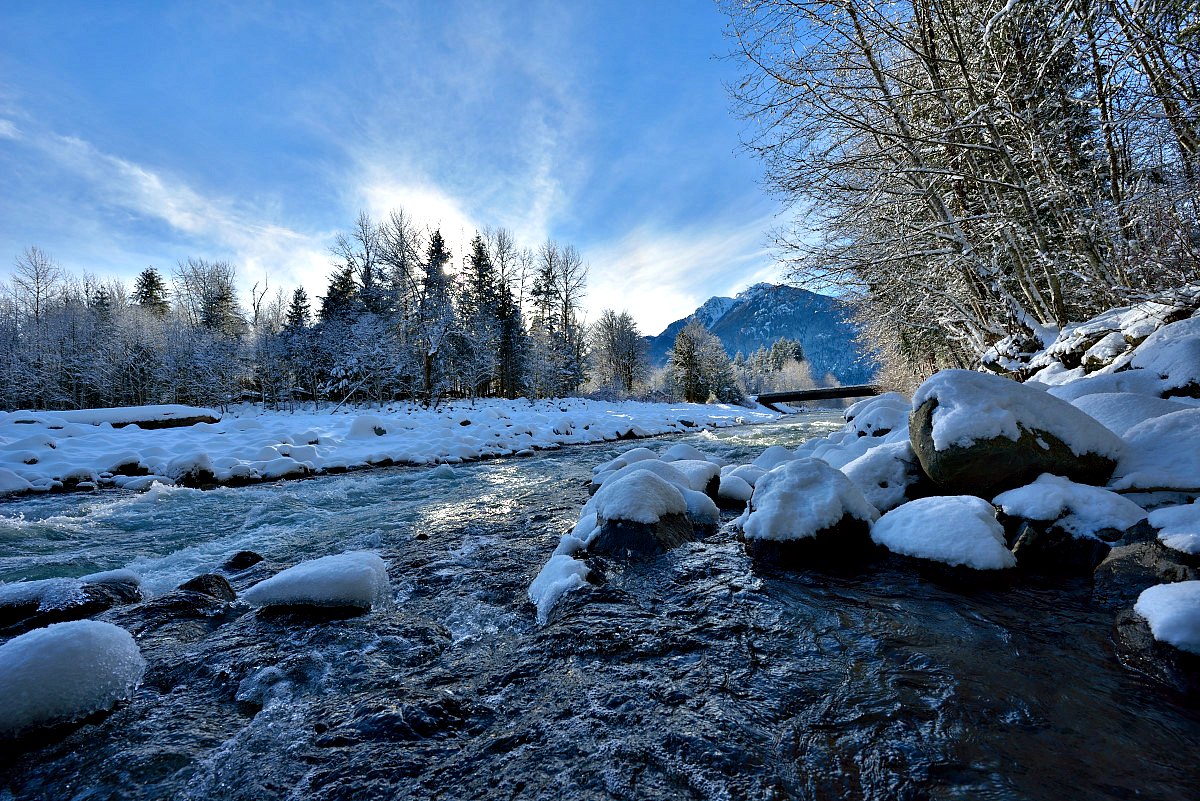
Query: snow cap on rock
x=800, y=498
x=959, y=530
x=354, y=579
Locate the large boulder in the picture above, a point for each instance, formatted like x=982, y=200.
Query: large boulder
x=980, y=434
x=1161, y=638
x=1050, y=549
x=1129, y=569
x=959, y=531
x=803, y=512
x=639, y=514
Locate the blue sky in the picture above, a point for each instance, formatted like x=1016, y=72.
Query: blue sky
x=135, y=134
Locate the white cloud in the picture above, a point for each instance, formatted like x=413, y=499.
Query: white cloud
x=8, y=129
x=661, y=277
x=221, y=229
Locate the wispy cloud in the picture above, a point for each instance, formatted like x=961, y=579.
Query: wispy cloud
x=215, y=227
x=661, y=276
x=8, y=129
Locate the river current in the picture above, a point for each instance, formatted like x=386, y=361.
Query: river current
x=693, y=675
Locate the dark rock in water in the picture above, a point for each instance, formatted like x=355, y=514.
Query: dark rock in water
x=626, y=538
x=1129, y=569
x=1138, y=650
x=1047, y=549
x=26, y=614
x=182, y=615
x=1140, y=531
x=212, y=585
x=988, y=467
x=197, y=478
x=241, y=560
x=847, y=542
x=431, y=720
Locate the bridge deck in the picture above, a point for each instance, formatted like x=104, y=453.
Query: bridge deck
x=824, y=393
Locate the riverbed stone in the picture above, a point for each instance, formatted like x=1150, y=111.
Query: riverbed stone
x=20, y=617
x=846, y=542
x=212, y=585
x=1137, y=650
x=1050, y=550
x=242, y=560
x=987, y=467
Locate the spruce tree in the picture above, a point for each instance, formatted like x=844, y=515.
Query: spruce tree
x=150, y=292
x=298, y=313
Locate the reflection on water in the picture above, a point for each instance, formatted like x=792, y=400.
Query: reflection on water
x=690, y=676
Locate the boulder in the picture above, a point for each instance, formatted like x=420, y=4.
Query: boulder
x=35, y=604
x=631, y=538
x=979, y=434
x=1049, y=550
x=1137, y=650
x=241, y=561
x=211, y=585
x=1130, y=569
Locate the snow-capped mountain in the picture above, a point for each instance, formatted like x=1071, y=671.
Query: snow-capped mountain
x=765, y=312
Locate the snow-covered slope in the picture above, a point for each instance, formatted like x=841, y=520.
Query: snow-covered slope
x=763, y=313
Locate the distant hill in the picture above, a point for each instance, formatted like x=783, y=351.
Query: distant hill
x=764, y=313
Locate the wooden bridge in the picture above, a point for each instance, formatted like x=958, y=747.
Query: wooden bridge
x=768, y=399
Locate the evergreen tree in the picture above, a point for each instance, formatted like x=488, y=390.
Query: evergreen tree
x=339, y=300
x=435, y=323
x=699, y=369
x=150, y=292
x=298, y=313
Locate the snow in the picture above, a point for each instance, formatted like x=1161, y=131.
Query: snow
x=64, y=672
x=959, y=530
x=799, y=498
x=1173, y=612
x=1179, y=527
x=126, y=415
x=60, y=593
x=773, y=457
x=734, y=488
x=1121, y=411
x=683, y=452
x=1172, y=352
x=884, y=472
x=559, y=576
x=641, y=496
x=1138, y=382
x=627, y=458
x=1162, y=453
x=698, y=474
x=39, y=451
x=356, y=578
x=973, y=407
x=1079, y=509
x=879, y=415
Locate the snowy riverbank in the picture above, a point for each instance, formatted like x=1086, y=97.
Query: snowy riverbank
x=44, y=451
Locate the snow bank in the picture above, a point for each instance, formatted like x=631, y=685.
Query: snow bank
x=1173, y=612
x=127, y=415
x=1179, y=527
x=1121, y=411
x=40, y=452
x=558, y=577
x=884, y=473
x=65, y=672
x=973, y=407
x=1172, y=352
x=959, y=530
x=358, y=579
x=1079, y=509
x=800, y=498
x=774, y=456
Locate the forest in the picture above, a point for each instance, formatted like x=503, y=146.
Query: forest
x=975, y=176
x=398, y=321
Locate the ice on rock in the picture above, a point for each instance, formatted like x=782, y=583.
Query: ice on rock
x=354, y=579
x=640, y=496
x=773, y=457
x=1179, y=527
x=884, y=473
x=559, y=576
x=1079, y=509
x=1173, y=612
x=959, y=530
x=1121, y=411
x=1162, y=453
x=64, y=672
x=800, y=498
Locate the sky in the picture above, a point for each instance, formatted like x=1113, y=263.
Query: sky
x=142, y=134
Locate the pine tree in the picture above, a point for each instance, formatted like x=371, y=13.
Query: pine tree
x=298, y=313
x=436, y=318
x=150, y=292
x=339, y=300
x=699, y=369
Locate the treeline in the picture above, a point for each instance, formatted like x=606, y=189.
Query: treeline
x=974, y=171
x=395, y=323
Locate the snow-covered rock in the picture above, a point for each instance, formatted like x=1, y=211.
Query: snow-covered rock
x=959, y=530
x=1162, y=453
x=559, y=576
x=1179, y=527
x=1173, y=353
x=805, y=508
x=64, y=672
x=885, y=473
x=639, y=514
x=355, y=579
x=1173, y=612
x=1079, y=509
x=879, y=415
x=11, y=483
x=774, y=456
x=1121, y=411
x=27, y=605
x=681, y=451
x=979, y=434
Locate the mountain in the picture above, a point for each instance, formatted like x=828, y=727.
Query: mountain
x=764, y=313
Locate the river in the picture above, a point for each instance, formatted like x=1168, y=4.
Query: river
x=694, y=675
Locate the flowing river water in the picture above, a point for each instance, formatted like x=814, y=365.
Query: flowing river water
x=693, y=675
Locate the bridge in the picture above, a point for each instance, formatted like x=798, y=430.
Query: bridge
x=769, y=399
